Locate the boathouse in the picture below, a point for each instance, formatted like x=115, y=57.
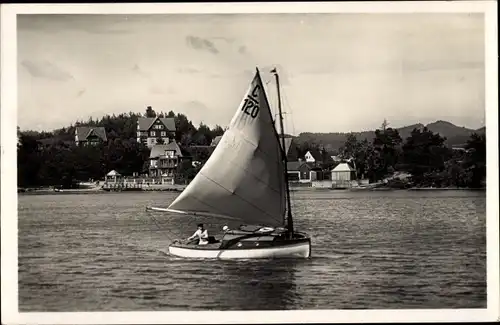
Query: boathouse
x=343, y=175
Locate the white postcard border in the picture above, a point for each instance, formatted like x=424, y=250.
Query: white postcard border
x=9, y=279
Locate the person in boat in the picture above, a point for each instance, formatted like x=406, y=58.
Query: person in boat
x=202, y=235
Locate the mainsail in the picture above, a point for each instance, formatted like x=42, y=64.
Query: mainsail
x=244, y=177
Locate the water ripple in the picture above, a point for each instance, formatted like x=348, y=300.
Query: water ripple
x=370, y=250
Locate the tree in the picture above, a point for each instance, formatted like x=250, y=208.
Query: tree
x=350, y=147
x=325, y=157
x=186, y=170
x=217, y=131
x=375, y=167
x=364, y=149
x=184, y=129
x=424, y=152
x=356, y=152
x=29, y=160
x=384, y=125
x=306, y=146
x=150, y=112
x=476, y=159
x=383, y=155
x=203, y=135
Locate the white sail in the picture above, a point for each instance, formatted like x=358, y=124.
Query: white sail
x=244, y=176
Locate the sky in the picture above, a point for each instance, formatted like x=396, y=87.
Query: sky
x=339, y=72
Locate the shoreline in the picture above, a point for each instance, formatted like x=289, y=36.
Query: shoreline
x=100, y=190
x=180, y=188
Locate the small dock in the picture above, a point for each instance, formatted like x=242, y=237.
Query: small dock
x=131, y=187
x=120, y=187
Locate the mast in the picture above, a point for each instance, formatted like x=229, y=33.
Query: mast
x=284, y=156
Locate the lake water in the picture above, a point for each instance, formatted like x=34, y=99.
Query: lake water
x=371, y=250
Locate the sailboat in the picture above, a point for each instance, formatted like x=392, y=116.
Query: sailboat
x=245, y=179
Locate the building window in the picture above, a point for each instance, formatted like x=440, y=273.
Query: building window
x=138, y=133
x=153, y=133
x=163, y=133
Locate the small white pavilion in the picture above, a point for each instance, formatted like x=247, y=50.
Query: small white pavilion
x=343, y=175
x=113, y=176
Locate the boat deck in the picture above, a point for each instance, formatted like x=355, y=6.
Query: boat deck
x=195, y=246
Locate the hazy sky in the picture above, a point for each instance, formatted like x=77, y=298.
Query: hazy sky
x=340, y=72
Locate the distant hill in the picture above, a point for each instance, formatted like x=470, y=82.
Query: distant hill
x=455, y=135
x=481, y=130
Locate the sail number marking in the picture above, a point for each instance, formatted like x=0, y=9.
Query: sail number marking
x=251, y=103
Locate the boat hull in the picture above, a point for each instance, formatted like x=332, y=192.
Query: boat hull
x=293, y=249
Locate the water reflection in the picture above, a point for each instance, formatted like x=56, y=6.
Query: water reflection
x=258, y=285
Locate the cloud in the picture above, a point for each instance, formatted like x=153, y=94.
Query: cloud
x=80, y=93
x=242, y=49
x=45, y=69
x=195, y=106
x=158, y=90
x=195, y=110
x=392, y=67
x=217, y=75
x=442, y=65
x=216, y=44
x=203, y=44
x=354, y=62
x=228, y=40
x=137, y=70
x=91, y=24
x=188, y=70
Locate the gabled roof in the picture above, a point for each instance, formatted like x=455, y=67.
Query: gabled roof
x=315, y=153
x=295, y=165
x=343, y=167
x=159, y=150
x=113, y=173
x=145, y=123
x=83, y=132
